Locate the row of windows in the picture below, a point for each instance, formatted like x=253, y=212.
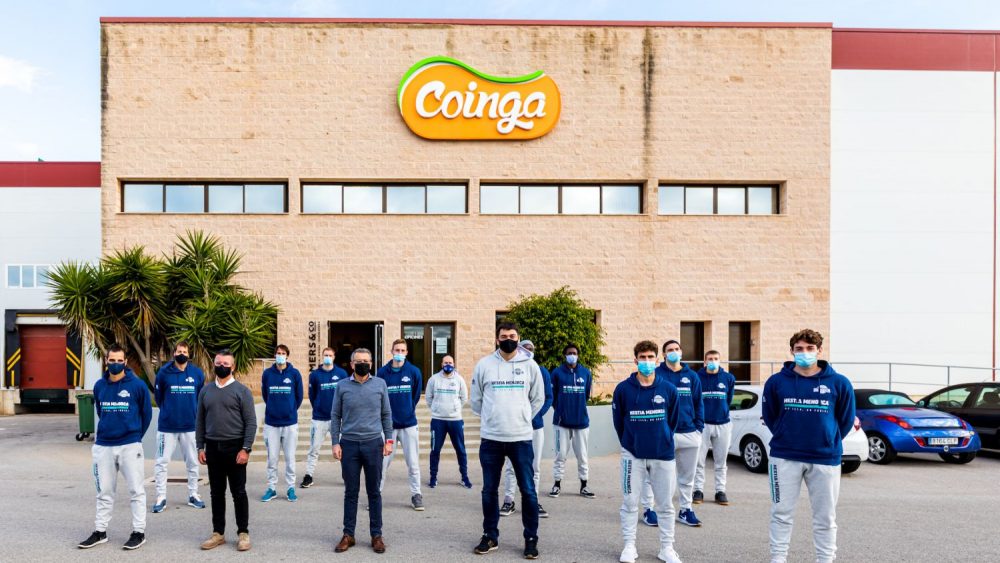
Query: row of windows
x=27, y=276
x=531, y=199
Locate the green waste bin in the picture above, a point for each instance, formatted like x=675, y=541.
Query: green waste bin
x=85, y=406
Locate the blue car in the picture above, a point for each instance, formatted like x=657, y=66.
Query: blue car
x=895, y=424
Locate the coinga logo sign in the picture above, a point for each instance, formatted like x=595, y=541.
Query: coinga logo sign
x=442, y=98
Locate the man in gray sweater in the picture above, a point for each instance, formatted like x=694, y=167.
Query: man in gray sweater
x=224, y=433
x=360, y=421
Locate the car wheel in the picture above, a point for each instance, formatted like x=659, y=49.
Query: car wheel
x=754, y=455
x=880, y=451
x=959, y=459
x=849, y=467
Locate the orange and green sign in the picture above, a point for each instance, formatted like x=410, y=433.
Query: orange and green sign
x=445, y=99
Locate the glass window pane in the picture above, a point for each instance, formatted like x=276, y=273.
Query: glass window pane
x=185, y=199
x=539, y=200
x=761, y=200
x=27, y=276
x=225, y=199
x=621, y=200
x=581, y=200
x=446, y=199
x=13, y=275
x=322, y=199
x=498, y=199
x=671, y=200
x=143, y=198
x=404, y=199
x=362, y=199
x=41, y=275
x=732, y=201
x=698, y=201
x=265, y=198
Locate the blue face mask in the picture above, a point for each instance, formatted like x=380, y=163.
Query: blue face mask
x=448, y=369
x=805, y=359
x=399, y=357
x=647, y=367
x=115, y=369
x=280, y=359
x=673, y=357
x=327, y=361
x=571, y=359
x=712, y=366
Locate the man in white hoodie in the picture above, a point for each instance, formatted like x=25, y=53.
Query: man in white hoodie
x=507, y=392
x=446, y=395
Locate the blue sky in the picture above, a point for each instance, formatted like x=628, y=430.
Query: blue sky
x=49, y=50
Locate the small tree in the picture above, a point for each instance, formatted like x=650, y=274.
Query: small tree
x=552, y=321
x=148, y=303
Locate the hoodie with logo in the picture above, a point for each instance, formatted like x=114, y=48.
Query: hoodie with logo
x=646, y=418
x=282, y=394
x=808, y=416
x=176, y=394
x=506, y=395
x=123, y=409
x=570, y=391
x=446, y=394
x=405, y=385
x=539, y=420
x=322, y=389
x=689, y=401
x=716, y=394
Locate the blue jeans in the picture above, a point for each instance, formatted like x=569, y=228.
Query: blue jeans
x=454, y=429
x=491, y=456
x=357, y=456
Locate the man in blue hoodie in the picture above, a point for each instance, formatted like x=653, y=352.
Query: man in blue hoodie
x=323, y=383
x=570, y=392
x=124, y=412
x=281, y=389
x=717, y=387
x=405, y=382
x=644, y=409
x=177, y=386
x=809, y=409
x=687, y=440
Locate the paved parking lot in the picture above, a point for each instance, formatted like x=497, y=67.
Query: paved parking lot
x=918, y=509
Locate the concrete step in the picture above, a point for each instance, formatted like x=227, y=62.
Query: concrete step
x=326, y=453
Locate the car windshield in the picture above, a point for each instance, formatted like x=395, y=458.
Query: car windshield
x=879, y=400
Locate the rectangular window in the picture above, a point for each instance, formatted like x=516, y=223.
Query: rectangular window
x=190, y=197
x=449, y=200
x=27, y=276
x=718, y=200
x=143, y=198
x=225, y=199
x=363, y=199
x=185, y=199
x=560, y=200
x=405, y=199
x=264, y=198
x=408, y=199
x=13, y=275
x=322, y=198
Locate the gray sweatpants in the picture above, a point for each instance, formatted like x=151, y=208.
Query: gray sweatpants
x=409, y=440
x=510, y=481
x=823, y=484
x=318, y=431
x=166, y=443
x=686, y=447
x=578, y=439
x=108, y=461
x=660, y=476
x=280, y=439
x=716, y=437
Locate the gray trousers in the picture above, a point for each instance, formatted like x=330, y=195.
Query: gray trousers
x=166, y=443
x=660, y=477
x=108, y=461
x=823, y=484
x=280, y=439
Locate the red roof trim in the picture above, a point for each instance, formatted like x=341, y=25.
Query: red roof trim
x=418, y=21
x=50, y=174
x=913, y=50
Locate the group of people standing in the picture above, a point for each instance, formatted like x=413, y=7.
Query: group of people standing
x=666, y=416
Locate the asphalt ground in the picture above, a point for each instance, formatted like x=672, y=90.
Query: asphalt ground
x=917, y=509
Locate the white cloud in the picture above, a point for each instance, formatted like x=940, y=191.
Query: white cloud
x=17, y=74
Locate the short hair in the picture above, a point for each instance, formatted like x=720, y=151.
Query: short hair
x=669, y=342
x=808, y=336
x=710, y=352
x=645, y=346
x=224, y=352
x=328, y=349
x=571, y=345
x=399, y=341
x=281, y=348
x=115, y=347
x=182, y=343
x=360, y=351
x=507, y=325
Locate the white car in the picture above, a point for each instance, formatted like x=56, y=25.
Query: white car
x=751, y=438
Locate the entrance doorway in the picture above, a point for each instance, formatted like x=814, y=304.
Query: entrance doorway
x=345, y=337
x=428, y=344
x=693, y=343
x=739, y=350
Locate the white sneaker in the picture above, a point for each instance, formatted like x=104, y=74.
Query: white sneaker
x=669, y=555
x=778, y=559
x=629, y=554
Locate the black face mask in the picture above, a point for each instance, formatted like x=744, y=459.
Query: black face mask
x=362, y=369
x=508, y=346
x=223, y=371
x=181, y=359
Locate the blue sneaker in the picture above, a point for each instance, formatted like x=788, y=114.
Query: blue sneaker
x=649, y=518
x=195, y=502
x=432, y=483
x=159, y=506
x=291, y=495
x=268, y=495
x=688, y=518
x=465, y=482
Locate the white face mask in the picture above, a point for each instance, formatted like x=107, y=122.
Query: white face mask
x=280, y=359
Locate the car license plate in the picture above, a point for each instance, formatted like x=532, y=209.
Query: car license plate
x=943, y=441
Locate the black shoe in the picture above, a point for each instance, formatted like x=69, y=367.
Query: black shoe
x=556, y=489
x=94, y=539
x=542, y=513
x=307, y=482
x=531, y=548
x=507, y=509
x=698, y=497
x=135, y=541
x=721, y=498
x=486, y=545
x=585, y=492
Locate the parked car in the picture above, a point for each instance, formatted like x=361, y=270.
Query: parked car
x=895, y=424
x=751, y=438
x=976, y=403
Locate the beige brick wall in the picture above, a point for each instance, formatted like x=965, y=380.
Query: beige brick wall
x=317, y=101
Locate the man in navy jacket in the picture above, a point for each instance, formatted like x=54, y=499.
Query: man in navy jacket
x=177, y=386
x=717, y=388
x=405, y=381
x=571, y=382
x=323, y=383
x=281, y=389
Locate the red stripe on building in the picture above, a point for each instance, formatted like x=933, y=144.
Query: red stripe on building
x=50, y=174
x=418, y=21
x=913, y=50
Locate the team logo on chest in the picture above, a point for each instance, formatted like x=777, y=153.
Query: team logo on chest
x=124, y=394
x=658, y=399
